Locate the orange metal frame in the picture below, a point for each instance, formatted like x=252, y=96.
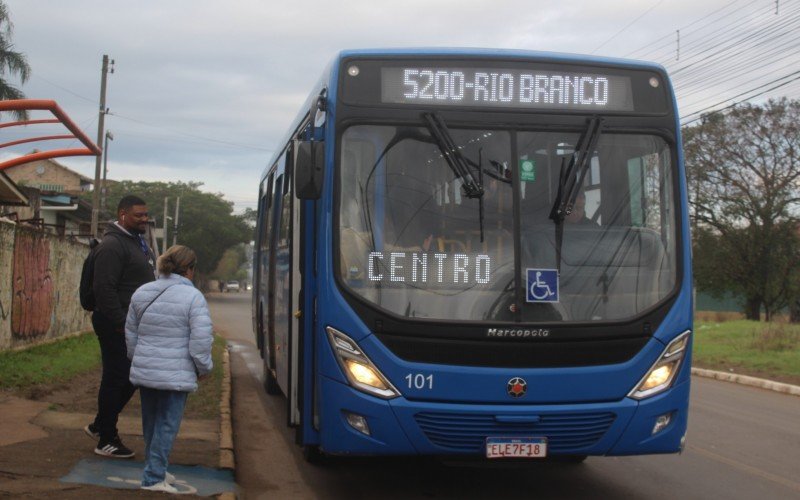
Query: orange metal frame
x=90, y=149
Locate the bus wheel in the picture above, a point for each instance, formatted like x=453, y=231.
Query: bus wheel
x=270, y=382
x=313, y=455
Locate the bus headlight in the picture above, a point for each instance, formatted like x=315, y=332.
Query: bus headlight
x=359, y=370
x=660, y=376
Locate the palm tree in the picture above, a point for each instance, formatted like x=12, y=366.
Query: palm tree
x=11, y=63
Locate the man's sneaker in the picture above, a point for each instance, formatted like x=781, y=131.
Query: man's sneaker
x=162, y=486
x=113, y=449
x=92, y=432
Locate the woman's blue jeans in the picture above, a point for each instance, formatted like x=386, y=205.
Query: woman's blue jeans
x=162, y=412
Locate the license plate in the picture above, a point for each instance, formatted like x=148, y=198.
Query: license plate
x=507, y=447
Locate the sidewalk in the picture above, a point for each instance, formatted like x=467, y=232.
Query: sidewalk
x=40, y=446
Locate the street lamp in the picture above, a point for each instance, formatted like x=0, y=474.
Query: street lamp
x=109, y=137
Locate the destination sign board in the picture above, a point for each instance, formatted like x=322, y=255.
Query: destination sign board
x=407, y=83
x=506, y=88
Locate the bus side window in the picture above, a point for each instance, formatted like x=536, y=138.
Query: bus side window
x=266, y=229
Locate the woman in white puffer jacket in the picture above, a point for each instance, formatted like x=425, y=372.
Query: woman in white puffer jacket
x=169, y=335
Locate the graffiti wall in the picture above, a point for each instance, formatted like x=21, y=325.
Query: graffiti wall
x=39, y=277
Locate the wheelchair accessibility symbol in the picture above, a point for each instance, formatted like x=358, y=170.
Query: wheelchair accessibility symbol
x=542, y=285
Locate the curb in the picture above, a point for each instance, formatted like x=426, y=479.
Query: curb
x=761, y=383
x=226, y=455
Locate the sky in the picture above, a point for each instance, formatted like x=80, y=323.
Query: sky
x=205, y=90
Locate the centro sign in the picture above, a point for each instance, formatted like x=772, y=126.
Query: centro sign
x=425, y=268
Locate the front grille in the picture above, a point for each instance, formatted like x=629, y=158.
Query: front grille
x=565, y=432
x=511, y=354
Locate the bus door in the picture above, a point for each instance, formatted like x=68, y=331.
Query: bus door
x=287, y=289
x=268, y=268
x=296, y=319
x=261, y=267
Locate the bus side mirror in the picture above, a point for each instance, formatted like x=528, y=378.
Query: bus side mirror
x=308, y=171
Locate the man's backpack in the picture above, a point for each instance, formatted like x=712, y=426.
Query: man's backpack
x=87, y=277
x=87, y=273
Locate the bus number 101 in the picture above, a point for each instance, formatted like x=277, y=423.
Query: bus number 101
x=419, y=381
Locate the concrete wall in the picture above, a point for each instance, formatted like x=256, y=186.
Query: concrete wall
x=39, y=278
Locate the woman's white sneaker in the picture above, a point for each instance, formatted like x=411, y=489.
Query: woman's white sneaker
x=162, y=486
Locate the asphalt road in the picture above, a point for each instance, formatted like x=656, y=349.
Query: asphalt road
x=742, y=443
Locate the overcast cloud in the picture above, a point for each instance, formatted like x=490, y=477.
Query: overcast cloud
x=205, y=90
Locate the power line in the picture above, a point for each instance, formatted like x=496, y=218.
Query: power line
x=194, y=136
x=628, y=25
x=796, y=75
x=684, y=29
x=93, y=101
x=712, y=53
x=734, y=46
x=189, y=140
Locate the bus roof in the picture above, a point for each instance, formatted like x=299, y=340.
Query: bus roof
x=503, y=54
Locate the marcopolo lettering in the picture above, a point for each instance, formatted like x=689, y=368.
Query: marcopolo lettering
x=517, y=332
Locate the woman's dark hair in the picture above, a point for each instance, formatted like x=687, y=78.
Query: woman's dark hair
x=177, y=259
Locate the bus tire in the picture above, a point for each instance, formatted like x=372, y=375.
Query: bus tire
x=270, y=382
x=313, y=455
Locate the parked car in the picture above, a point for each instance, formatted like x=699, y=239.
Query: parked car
x=232, y=286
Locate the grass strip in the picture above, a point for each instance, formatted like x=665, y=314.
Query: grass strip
x=769, y=350
x=51, y=363
x=58, y=362
x=204, y=403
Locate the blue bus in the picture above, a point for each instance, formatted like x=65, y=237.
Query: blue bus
x=478, y=253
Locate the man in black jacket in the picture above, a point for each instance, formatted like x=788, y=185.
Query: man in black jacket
x=123, y=263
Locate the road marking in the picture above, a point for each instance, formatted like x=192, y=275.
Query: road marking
x=792, y=485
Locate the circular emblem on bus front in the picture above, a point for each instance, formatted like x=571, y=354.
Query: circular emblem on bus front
x=517, y=387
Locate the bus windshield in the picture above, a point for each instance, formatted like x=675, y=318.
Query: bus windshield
x=413, y=240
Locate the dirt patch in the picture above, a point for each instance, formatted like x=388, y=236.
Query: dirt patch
x=79, y=395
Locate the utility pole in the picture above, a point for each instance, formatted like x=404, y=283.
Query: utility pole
x=175, y=227
x=164, y=236
x=100, y=130
x=109, y=137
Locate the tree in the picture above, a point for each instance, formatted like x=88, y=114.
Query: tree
x=231, y=264
x=11, y=62
x=206, y=221
x=743, y=170
x=250, y=216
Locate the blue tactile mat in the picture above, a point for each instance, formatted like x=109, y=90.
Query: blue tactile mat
x=126, y=474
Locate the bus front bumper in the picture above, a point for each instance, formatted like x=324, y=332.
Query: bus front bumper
x=353, y=423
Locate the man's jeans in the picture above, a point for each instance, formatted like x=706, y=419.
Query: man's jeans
x=162, y=412
x=115, y=386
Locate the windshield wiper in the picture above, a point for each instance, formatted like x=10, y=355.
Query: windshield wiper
x=571, y=179
x=452, y=155
x=458, y=163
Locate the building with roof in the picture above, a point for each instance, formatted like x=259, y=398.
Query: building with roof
x=46, y=194
x=49, y=176
x=10, y=193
